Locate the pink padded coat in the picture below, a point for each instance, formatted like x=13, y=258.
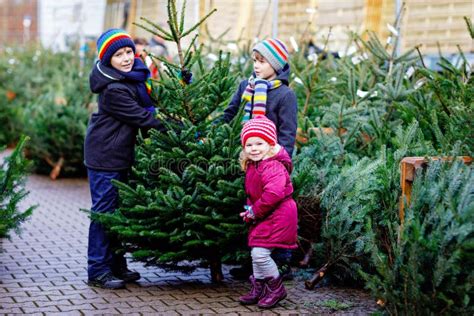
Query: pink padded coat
x=269, y=189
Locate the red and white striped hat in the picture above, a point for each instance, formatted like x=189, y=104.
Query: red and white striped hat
x=259, y=126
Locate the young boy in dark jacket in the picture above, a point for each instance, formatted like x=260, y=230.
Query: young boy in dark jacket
x=267, y=93
x=121, y=80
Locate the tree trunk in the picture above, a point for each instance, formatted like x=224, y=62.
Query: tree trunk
x=317, y=277
x=56, y=167
x=216, y=270
x=307, y=256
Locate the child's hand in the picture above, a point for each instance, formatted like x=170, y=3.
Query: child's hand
x=185, y=76
x=151, y=109
x=248, y=216
x=245, y=217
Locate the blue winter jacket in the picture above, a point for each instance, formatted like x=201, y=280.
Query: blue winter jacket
x=282, y=109
x=112, y=131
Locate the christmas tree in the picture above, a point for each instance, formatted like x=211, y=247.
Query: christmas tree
x=180, y=209
x=12, y=177
x=46, y=96
x=429, y=266
x=60, y=116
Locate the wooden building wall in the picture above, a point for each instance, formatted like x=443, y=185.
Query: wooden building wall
x=426, y=22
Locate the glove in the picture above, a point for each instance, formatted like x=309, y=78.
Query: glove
x=185, y=76
x=151, y=109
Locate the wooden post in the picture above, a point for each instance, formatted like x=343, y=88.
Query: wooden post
x=408, y=168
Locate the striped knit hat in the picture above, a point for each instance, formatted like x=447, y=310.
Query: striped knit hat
x=274, y=51
x=110, y=41
x=261, y=127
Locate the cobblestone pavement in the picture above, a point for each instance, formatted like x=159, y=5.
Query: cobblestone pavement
x=43, y=271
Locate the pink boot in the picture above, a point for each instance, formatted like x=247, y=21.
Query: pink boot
x=255, y=292
x=273, y=293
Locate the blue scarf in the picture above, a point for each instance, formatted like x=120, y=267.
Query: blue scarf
x=140, y=74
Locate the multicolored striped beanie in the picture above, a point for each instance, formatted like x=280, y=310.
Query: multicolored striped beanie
x=274, y=51
x=261, y=127
x=110, y=41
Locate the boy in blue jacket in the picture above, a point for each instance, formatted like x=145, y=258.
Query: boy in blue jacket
x=124, y=106
x=267, y=93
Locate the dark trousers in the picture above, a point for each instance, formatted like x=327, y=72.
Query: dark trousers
x=282, y=256
x=101, y=256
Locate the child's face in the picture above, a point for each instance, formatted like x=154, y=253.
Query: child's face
x=262, y=68
x=256, y=148
x=123, y=59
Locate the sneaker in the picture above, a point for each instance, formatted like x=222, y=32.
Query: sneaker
x=107, y=281
x=128, y=275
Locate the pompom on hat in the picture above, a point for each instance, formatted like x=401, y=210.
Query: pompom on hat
x=259, y=126
x=274, y=51
x=111, y=41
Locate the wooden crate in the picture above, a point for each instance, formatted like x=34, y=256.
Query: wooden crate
x=408, y=168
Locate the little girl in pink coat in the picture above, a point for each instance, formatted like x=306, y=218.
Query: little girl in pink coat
x=270, y=210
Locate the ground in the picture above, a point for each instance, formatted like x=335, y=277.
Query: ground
x=43, y=270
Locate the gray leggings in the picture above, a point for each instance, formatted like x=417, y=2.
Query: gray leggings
x=263, y=264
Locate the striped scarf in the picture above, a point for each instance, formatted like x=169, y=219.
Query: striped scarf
x=256, y=92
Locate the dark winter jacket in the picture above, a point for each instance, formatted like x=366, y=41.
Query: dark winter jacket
x=112, y=131
x=282, y=109
x=269, y=191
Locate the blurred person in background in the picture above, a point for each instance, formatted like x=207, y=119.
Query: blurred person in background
x=140, y=45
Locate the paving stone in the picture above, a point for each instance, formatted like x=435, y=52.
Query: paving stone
x=169, y=313
x=21, y=305
x=7, y=311
x=23, y=299
x=95, y=300
x=78, y=307
x=202, y=311
x=104, y=311
x=58, y=303
x=110, y=305
x=145, y=309
x=17, y=288
x=108, y=296
x=69, y=313
x=14, y=294
x=5, y=299
x=75, y=296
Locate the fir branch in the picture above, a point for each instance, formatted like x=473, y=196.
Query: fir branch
x=470, y=28
x=164, y=34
